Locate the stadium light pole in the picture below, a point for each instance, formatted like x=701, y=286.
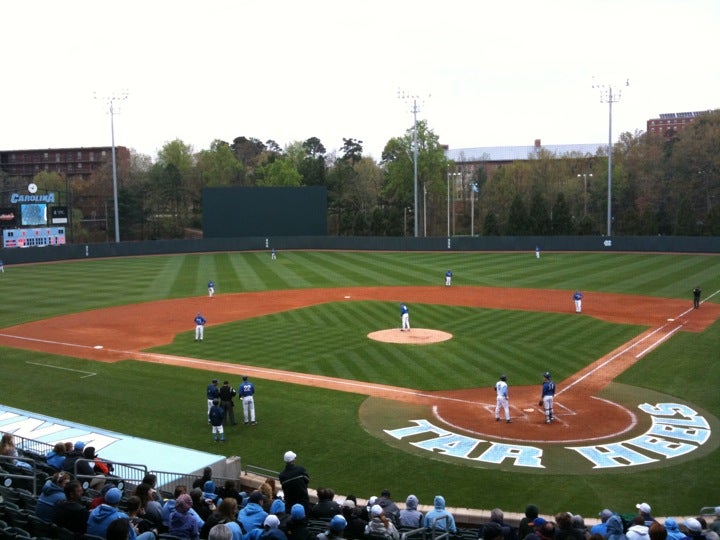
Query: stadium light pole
x=608, y=96
x=584, y=176
x=406, y=97
x=111, y=99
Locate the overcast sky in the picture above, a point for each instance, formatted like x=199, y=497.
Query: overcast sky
x=500, y=73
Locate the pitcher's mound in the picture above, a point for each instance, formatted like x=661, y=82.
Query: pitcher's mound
x=416, y=336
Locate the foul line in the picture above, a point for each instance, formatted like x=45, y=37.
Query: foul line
x=89, y=373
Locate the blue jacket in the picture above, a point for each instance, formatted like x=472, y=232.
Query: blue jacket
x=252, y=516
x=55, y=460
x=101, y=517
x=49, y=495
x=439, y=511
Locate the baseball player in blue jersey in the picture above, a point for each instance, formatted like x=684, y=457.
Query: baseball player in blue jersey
x=247, y=393
x=577, y=297
x=548, y=397
x=448, y=278
x=213, y=392
x=211, y=288
x=199, y=327
x=537, y=252
x=404, y=318
x=501, y=387
x=273, y=254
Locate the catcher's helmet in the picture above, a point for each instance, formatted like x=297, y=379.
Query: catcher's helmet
x=546, y=374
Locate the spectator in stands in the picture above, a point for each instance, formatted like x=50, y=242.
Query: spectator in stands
x=8, y=448
x=268, y=490
x=277, y=508
x=227, y=513
x=220, y=532
x=72, y=456
x=355, y=523
x=294, y=480
x=673, y=530
x=151, y=479
x=202, y=507
x=325, y=507
x=119, y=529
x=508, y=532
x=525, y=526
x=715, y=525
x=253, y=514
x=708, y=532
x=136, y=514
x=615, y=528
x=536, y=525
x=389, y=507
x=52, y=491
x=152, y=510
x=336, y=528
x=55, y=457
x=297, y=527
x=230, y=490
x=411, y=517
x=492, y=531
x=72, y=513
x=98, y=465
x=565, y=529
x=269, y=531
x=638, y=530
x=206, y=475
x=547, y=530
x=183, y=523
x=601, y=528
x=169, y=507
x=380, y=525
x=693, y=529
x=101, y=517
x=210, y=491
x=438, y=512
x=645, y=511
x=657, y=531
x=579, y=523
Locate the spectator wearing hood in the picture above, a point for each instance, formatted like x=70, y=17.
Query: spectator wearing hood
x=101, y=516
x=253, y=515
x=508, y=532
x=673, y=529
x=526, y=526
x=615, y=529
x=326, y=507
x=438, y=512
x=210, y=491
x=638, y=530
x=270, y=530
x=380, y=525
x=411, y=516
x=55, y=457
x=336, y=528
x=277, y=508
x=601, y=528
x=182, y=522
x=52, y=492
x=565, y=528
x=169, y=507
x=297, y=527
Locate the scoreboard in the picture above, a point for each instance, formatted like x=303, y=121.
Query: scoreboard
x=33, y=237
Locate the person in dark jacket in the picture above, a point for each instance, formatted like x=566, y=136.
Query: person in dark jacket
x=526, y=525
x=72, y=513
x=294, y=480
x=326, y=507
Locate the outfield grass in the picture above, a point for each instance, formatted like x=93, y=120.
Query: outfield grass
x=167, y=404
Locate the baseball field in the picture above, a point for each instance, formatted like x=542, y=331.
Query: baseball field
x=637, y=401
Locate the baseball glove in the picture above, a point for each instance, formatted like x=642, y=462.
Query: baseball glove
x=540, y=403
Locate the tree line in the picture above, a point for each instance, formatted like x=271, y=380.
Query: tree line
x=661, y=185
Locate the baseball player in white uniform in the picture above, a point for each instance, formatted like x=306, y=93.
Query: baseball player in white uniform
x=404, y=318
x=501, y=387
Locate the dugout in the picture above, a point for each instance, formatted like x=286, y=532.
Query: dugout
x=233, y=212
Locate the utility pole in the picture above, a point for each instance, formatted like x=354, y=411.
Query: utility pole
x=609, y=95
x=111, y=100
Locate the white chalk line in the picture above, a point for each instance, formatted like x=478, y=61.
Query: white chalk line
x=88, y=373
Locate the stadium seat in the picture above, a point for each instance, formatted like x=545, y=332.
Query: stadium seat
x=39, y=527
x=92, y=537
x=61, y=533
x=12, y=533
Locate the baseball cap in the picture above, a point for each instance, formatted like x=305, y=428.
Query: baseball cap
x=376, y=510
x=693, y=525
x=348, y=503
x=539, y=522
x=338, y=523
x=214, y=380
x=643, y=507
x=289, y=456
x=256, y=496
x=605, y=513
x=271, y=521
x=79, y=445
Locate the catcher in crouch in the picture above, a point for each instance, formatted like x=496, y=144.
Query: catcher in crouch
x=548, y=397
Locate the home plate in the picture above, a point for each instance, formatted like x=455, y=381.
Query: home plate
x=98, y=347
x=528, y=410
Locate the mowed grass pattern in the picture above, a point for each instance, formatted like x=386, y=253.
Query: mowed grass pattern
x=167, y=403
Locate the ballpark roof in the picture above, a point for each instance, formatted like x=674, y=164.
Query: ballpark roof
x=519, y=153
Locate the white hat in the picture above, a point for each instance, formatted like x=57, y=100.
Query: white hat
x=289, y=456
x=271, y=521
x=643, y=507
x=376, y=510
x=693, y=525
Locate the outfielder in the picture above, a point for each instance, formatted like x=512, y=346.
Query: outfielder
x=404, y=318
x=247, y=393
x=211, y=288
x=501, y=387
x=548, y=397
x=199, y=327
x=448, y=278
x=577, y=297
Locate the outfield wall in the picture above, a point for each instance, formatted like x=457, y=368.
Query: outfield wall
x=671, y=244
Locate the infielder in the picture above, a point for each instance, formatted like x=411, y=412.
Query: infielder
x=211, y=288
x=501, y=387
x=404, y=318
x=199, y=327
x=696, y=295
x=247, y=392
x=577, y=297
x=448, y=278
x=548, y=397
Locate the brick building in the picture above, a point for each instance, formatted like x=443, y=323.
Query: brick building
x=69, y=162
x=671, y=123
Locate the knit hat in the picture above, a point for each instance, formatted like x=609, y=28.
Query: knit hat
x=256, y=497
x=671, y=525
x=539, y=522
x=183, y=503
x=271, y=522
x=605, y=514
x=693, y=525
x=348, y=503
x=79, y=446
x=376, y=510
x=297, y=512
x=113, y=496
x=338, y=523
x=209, y=487
x=277, y=506
x=289, y=456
